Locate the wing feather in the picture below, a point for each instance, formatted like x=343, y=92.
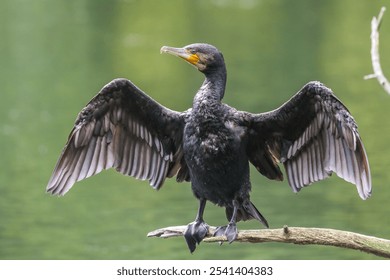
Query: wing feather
x=314, y=135
x=121, y=128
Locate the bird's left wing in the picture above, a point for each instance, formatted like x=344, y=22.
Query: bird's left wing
x=313, y=135
x=123, y=128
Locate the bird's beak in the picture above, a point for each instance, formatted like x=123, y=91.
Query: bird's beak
x=182, y=53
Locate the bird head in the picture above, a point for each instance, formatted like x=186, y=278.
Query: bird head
x=204, y=57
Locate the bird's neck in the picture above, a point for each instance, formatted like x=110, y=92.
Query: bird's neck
x=212, y=89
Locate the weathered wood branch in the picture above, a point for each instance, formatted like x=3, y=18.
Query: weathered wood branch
x=296, y=235
x=376, y=65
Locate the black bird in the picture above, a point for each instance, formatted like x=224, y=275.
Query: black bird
x=211, y=144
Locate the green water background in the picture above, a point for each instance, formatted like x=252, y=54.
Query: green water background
x=56, y=55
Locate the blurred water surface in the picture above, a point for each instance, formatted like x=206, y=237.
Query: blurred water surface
x=56, y=55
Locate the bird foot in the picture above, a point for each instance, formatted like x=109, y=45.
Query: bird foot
x=195, y=233
x=230, y=231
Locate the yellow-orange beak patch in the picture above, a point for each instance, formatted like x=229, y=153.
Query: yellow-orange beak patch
x=193, y=59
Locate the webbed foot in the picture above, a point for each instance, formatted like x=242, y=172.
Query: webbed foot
x=195, y=233
x=230, y=231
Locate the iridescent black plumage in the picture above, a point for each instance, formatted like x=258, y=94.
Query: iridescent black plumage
x=211, y=144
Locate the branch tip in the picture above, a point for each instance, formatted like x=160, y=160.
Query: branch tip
x=378, y=73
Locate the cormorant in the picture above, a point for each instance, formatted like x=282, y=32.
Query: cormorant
x=211, y=144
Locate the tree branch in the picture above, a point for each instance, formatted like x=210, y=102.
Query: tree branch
x=378, y=73
x=296, y=235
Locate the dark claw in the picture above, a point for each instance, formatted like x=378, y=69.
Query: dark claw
x=230, y=231
x=195, y=233
x=220, y=231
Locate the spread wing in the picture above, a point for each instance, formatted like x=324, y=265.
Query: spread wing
x=123, y=128
x=313, y=135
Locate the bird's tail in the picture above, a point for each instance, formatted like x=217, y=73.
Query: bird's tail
x=246, y=212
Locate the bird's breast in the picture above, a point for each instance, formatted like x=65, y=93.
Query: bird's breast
x=211, y=141
x=214, y=151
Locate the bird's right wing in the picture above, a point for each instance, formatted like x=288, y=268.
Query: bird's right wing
x=123, y=128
